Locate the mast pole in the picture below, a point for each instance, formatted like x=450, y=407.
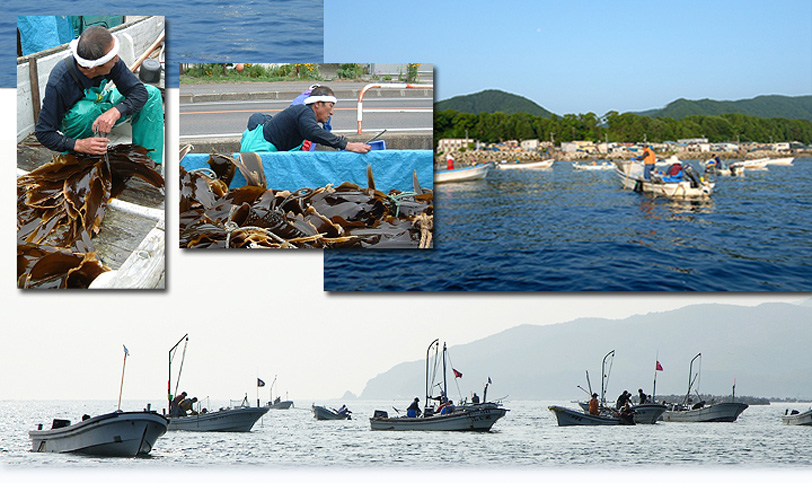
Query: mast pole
x=169, y=381
x=445, y=382
x=428, y=381
x=123, y=366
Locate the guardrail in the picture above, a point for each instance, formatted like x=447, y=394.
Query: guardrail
x=383, y=86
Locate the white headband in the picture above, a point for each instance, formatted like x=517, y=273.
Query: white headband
x=315, y=99
x=89, y=64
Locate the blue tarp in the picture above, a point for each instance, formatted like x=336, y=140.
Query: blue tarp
x=291, y=170
x=43, y=32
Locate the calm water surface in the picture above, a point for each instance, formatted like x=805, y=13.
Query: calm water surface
x=206, y=31
x=527, y=437
x=567, y=230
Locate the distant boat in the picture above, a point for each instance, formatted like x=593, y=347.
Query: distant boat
x=685, y=412
x=238, y=419
x=570, y=417
x=631, y=174
x=643, y=413
x=278, y=403
x=323, y=413
x=543, y=164
x=796, y=418
x=592, y=167
x=461, y=174
x=113, y=434
x=760, y=163
x=465, y=417
x=230, y=419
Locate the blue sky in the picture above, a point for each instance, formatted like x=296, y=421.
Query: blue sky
x=586, y=56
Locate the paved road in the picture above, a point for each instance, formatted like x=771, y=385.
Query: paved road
x=229, y=118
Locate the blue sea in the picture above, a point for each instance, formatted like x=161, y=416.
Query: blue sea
x=527, y=437
x=562, y=229
x=204, y=31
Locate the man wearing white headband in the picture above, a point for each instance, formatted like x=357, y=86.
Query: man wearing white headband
x=290, y=128
x=78, y=105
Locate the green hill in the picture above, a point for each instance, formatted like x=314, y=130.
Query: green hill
x=491, y=101
x=785, y=107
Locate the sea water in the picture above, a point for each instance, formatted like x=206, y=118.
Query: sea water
x=562, y=229
x=209, y=31
x=527, y=437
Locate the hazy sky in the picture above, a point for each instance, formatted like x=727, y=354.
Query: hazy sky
x=586, y=56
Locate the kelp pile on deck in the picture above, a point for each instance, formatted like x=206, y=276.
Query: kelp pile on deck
x=254, y=216
x=61, y=206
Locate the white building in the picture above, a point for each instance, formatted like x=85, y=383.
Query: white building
x=453, y=144
x=530, y=145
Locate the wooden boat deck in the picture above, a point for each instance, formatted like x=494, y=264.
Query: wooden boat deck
x=136, y=218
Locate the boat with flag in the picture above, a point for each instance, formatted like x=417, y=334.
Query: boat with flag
x=439, y=413
x=239, y=418
x=700, y=412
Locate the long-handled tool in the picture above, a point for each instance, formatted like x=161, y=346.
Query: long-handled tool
x=376, y=136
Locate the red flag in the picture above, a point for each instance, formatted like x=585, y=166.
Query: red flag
x=456, y=372
x=659, y=366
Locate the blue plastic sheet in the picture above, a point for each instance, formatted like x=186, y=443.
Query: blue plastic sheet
x=39, y=33
x=291, y=170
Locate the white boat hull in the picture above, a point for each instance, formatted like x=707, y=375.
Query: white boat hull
x=631, y=175
x=113, y=434
x=281, y=405
x=544, y=164
x=643, y=413
x=800, y=419
x=592, y=167
x=239, y=420
x=461, y=174
x=714, y=413
x=780, y=162
x=322, y=413
x=570, y=417
x=473, y=418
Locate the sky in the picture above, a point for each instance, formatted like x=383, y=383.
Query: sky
x=586, y=56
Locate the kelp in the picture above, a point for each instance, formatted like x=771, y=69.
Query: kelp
x=61, y=207
x=254, y=216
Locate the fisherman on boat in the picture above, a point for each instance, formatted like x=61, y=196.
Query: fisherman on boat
x=450, y=162
x=643, y=397
x=475, y=399
x=343, y=411
x=288, y=130
x=447, y=407
x=187, y=406
x=649, y=160
x=413, y=410
x=594, y=405
x=623, y=399
x=80, y=101
x=174, y=406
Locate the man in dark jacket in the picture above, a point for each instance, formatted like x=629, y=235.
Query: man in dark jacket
x=290, y=128
x=81, y=106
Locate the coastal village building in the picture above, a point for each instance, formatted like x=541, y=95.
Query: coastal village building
x=530, y=145
x=453, y=144
x=575, y=146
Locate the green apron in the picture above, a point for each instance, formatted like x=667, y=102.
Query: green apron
x=147, y=124
x=255, y=142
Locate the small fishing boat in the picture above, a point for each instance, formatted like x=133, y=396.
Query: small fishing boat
x=461, y=174
x=480, y=416
x=796, y=418
x=114, y=434
x=571, y=417
x=323, y=413
x=780, y=162
x=592, y=167
x=543, y=164
x=278, y=403
x=238, y=419
x=700, y=412
x=693, y=186
x=760, y=163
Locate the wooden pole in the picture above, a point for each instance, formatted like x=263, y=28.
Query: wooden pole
x=121, y=388
x=33, y=78
x=146, y=53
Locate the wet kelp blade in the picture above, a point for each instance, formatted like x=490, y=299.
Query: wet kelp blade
x=61, y=207
x=253, y=216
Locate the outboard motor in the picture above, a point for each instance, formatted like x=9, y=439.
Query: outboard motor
x=692, y=175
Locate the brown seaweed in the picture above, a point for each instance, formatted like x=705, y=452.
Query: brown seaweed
x=256, y=217
x=61, y=207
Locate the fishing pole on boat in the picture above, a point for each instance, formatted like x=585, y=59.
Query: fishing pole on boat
x=123, y=366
